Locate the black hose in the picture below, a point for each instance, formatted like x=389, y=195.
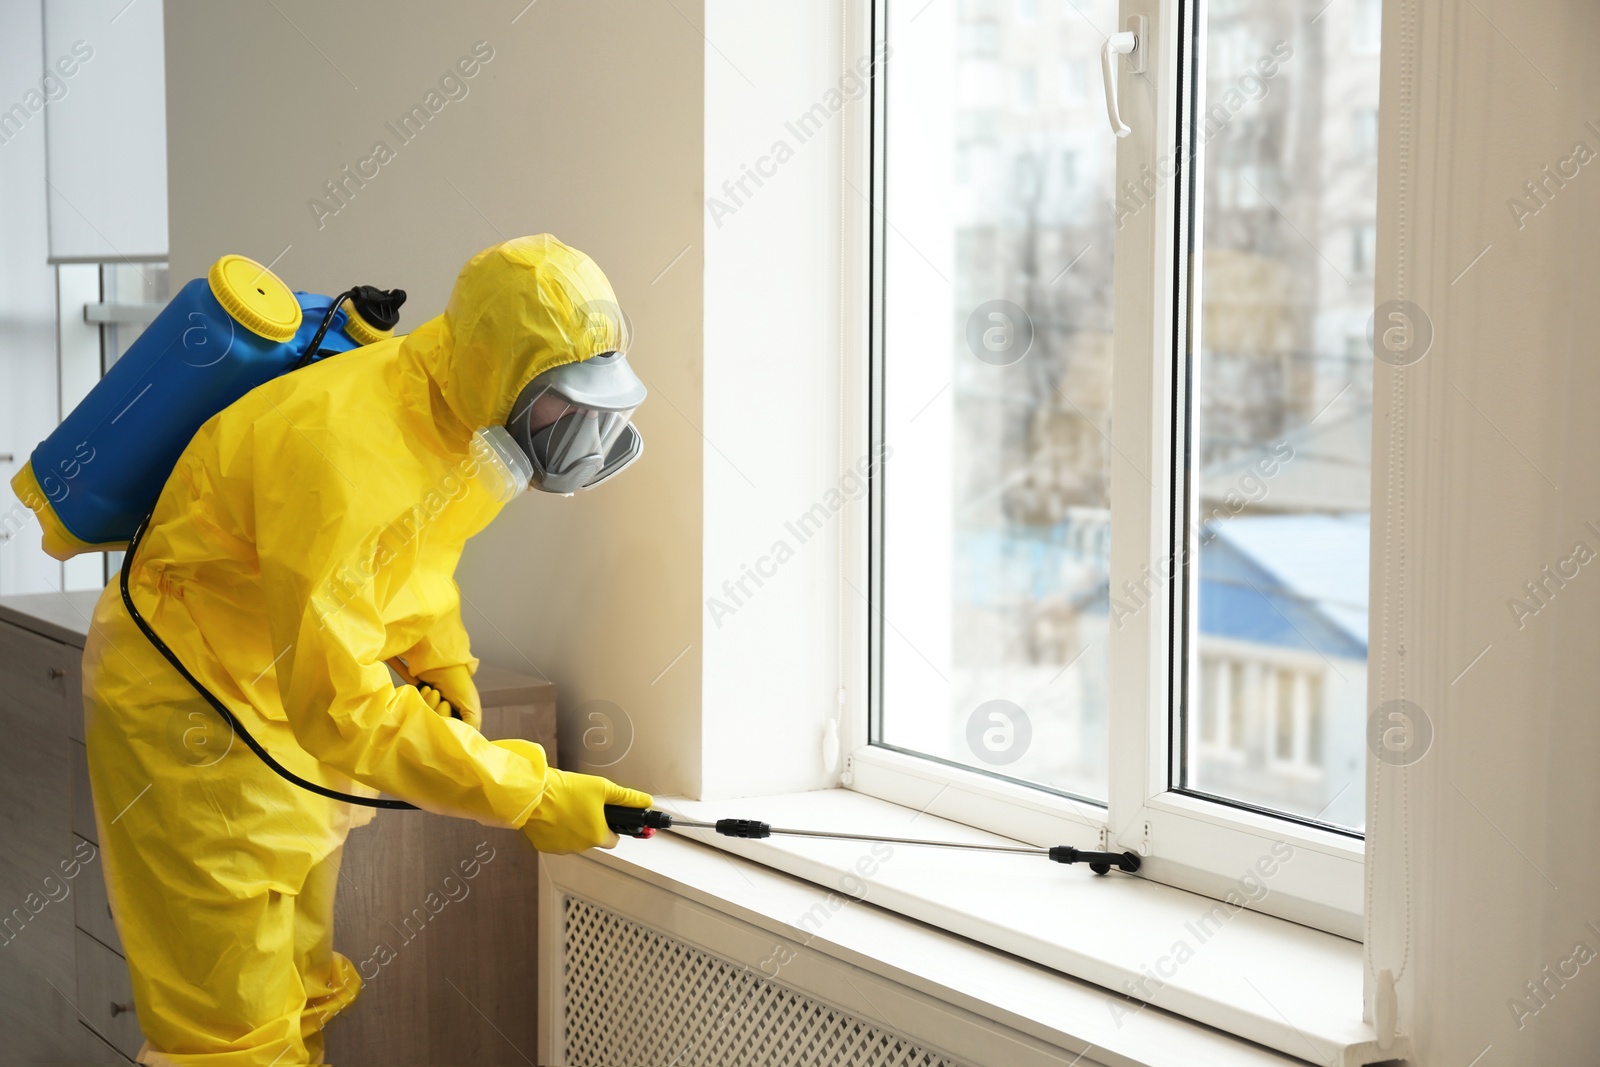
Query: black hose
x=217, y=705
x=322, y=330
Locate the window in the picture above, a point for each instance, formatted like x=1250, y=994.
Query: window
x=1069, y=170
x=1013, y=579
x=131, y=295
x=1364, y=134
x=1149, y=628
x=1072, y=76
x=1027, y=89
x=1363, y=242
x=1367, y=30
x=980, y=38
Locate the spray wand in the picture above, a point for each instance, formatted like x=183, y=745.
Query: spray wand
x=644, y=822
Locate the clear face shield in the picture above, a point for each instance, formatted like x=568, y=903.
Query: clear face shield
x=574, y=423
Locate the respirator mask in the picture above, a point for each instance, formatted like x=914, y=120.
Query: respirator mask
x=574, y=423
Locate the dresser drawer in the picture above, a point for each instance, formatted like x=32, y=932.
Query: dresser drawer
x=91, y=908
x=105, y=996
x=96, y=1050
x=41, y=674
x=82, y=794
x=74, y=693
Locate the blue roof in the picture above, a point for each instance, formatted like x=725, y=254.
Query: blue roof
x=1296, y=581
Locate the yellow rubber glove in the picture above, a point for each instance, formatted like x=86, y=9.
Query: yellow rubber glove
x=438, y=703
x=455, y=686
x=570, y=817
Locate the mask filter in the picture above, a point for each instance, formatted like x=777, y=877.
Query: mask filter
x=503, y=467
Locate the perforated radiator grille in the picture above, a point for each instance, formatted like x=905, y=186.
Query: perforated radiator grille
x=634, y=996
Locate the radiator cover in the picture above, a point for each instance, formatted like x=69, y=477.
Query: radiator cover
x=635, y=996
x=696, y=959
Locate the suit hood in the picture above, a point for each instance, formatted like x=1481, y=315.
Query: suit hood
x=517, y=309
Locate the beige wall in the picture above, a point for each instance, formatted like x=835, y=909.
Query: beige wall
x=586, y=123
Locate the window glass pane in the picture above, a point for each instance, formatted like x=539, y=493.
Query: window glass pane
x=129, y=284
x=1238, y=706
x=999, y=183
x=1208, y=706
x=1314, y=722
x=1282, y=381
x=1285, y=715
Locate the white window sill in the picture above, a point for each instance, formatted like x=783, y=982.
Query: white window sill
x=1273, y=982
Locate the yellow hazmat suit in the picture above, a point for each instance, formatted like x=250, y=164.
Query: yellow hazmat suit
x=309, y=533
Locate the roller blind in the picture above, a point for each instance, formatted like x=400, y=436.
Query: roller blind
x=102, y=92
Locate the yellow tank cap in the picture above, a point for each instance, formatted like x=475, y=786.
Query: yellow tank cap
x=255, y=297
x=58, y=541
x=361, y=331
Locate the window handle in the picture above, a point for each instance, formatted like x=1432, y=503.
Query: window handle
x=1126, y=43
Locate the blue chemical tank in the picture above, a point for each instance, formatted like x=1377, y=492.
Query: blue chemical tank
x=94, y=479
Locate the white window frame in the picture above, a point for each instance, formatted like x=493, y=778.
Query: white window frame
x=1187, y=841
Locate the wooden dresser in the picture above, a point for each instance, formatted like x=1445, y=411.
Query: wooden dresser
x=439, y=914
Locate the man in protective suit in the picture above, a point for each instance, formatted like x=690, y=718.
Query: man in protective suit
x=308, y=535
